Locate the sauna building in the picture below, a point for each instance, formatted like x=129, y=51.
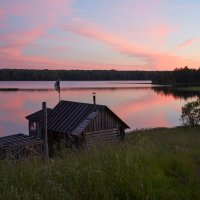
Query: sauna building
x=80, y=124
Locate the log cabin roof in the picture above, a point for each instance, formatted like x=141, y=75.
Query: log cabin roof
x=37, y=116
x=72, y=117
x=84, y=123
x=18, y=140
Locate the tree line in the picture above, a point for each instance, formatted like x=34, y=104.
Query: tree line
x=68, y=75
x=178, y=76
x=181, y=75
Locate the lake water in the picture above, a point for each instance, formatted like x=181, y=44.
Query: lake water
x=138, y=103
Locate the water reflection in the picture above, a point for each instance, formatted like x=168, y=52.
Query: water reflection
x=176, y=93
x=140, y=106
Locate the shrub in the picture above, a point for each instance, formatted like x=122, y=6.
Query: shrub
x=191, y=113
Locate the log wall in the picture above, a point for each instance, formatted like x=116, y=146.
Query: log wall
x=102, y=137
x=102, y=122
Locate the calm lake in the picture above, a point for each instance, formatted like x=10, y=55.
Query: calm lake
x=138, y=103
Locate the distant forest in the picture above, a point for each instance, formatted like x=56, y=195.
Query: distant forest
x=68, y=75
x=181, y=75
x=178, y=76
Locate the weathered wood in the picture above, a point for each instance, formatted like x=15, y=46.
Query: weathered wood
x=103, y=121
x=102, y=137
x=18, y=139
x=19, y=145
x=26, y=151
x=46, y=147
x=102, y=141
x=101, y=131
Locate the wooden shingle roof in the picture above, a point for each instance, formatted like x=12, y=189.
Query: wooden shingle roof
x=67, y=115
x=18, y=140
x=72, y=117
x=37, y=116
x=84, y=123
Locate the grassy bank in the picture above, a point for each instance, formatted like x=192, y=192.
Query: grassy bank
x=191, y=88
x=149, y=164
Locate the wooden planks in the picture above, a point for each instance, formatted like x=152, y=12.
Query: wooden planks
x=102, y=137
x=20, y=145
x=103, y=121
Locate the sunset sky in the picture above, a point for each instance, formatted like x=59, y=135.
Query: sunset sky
x=100, y=34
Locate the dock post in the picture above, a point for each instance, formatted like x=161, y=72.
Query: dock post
x=45, y=135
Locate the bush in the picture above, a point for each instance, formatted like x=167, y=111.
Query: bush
x=191, y=113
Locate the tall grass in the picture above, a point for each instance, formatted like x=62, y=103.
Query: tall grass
x=151, y=164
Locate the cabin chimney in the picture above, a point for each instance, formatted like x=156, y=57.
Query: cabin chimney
x=44, y=127
x=94, y=98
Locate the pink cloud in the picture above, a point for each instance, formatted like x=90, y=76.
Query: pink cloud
x=158, y=33
x=19, y=10
x=92, y=31
x=47, y=8
x=2, y=16
x=41, y=62
x=187, y=43
x=2, y=13
x=152, y=58
x=152, y=21
x=11, y=54
x=14, y=42
x=56, y=38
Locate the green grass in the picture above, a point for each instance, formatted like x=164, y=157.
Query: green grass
x=190, y=88
x=149, y=164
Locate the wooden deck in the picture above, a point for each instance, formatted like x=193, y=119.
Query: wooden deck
x=20, y=146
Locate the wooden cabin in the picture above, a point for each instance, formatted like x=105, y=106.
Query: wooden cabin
x=80, y=124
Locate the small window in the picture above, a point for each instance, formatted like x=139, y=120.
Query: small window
x=33, y=126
